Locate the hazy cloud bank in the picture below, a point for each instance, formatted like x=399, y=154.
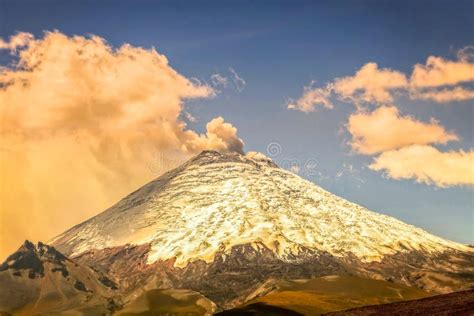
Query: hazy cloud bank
x=81, y=122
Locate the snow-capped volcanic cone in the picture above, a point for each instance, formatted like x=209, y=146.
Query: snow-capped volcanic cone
x=223, y=224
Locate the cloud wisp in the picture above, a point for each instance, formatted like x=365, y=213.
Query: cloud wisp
x=239, y=82
x=311, y=99
x=221, y=81
x=443, y=95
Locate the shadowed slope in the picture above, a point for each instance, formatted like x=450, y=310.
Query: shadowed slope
x=458, y=303
x=330, y=293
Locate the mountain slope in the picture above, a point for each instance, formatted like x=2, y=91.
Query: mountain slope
x=223, y=219
x=459, y=303
x=217, y=201
x=330, y=293
x=169, y=302
x=38, y=279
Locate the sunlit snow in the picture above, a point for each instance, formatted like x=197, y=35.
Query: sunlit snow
x=215, y=202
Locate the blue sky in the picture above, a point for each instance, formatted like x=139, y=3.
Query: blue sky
x=278, y=48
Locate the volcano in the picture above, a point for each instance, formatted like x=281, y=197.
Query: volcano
x=231, y=228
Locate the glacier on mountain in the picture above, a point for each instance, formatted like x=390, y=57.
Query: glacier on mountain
x=216, y=201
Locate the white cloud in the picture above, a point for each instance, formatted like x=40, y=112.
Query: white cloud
x=350, y=171
x=239, y=82
x=466, y=54
x=190, y=117
x=295, y=169
x=219, y=80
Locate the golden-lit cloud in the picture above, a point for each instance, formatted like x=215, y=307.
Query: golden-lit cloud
x=443, y=95
x=428, y=165
x=439, y=80
x=440, y=72
x=402, y=141
x=311, y=98
x=18, y=40
x=81, y=123
x=427, y=81
x=220, y=136
x=385, y=129
x=370, y=84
